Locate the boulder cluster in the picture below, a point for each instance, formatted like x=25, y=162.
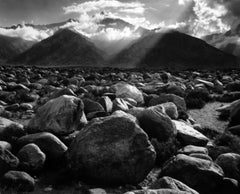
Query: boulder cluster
x=123, y=129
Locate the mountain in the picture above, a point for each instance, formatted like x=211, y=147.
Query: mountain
x=53, y=26
x=12, y=46
x=115, y=34
x=110, y=35
x=228, y=42
x=174, y=50
x=65, y=47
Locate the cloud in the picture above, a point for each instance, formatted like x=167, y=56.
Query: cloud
x=27, y=33
x=89, y=6
x=204, y=17
x=184, y=2
x=114, y=8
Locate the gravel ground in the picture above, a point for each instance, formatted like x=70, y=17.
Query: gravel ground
x=208, y=116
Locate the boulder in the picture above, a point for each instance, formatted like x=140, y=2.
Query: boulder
x=92, y=106
x=10, y=129
x=158, y=191
x=7, y=161
x=61, y=92
x=229, y=186
x=21, y=181
x=112, y=150
x=163, y=98
x=124, y=90
x=170, y=109
x=60, y=116
x=230, y=97
x=53, y=147
x=234, y=116
x=194, y=172
x=189, y=136
x=31, y=158
x=201, y=156
x=206, y=83
x=190, y=149
x=156, y=123
x=235, y=130
x=106, y=103
x=230, y=163
x=170, y=183
x=120, y=104
x=5, y=145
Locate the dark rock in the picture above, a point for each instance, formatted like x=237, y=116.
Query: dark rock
x=120, y=104
x=106, y=103
x=201, y=156
x=59, y=116
x=31, y=158
x=229, y=186
x=157, y=124
x=124, y=90
x=170, y=109
x=53, y=147
x=170, y=183
x=159, y=191
x=163, y=98
x=7, y=161
x=184, y=168
x=190, y=149
x=10, y=131
x=13, y=107
x=189, y=136
x=92, y=106
x=112, y=150
x=21, y=181
x=230, y=97
x=230, y=163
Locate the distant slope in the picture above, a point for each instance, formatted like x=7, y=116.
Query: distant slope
x=65, y=47
x=174, y=50
x=12, y=46
x=228, y=42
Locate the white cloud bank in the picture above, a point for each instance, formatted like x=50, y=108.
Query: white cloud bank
x=27, y=33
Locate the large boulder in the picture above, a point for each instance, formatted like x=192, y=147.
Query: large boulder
x=60, y=116
x=189, y=136
x=230, y=163
x=53, y=147
x=124, y=90
x=170, y=183
x=31, y=158
x=21, y=181
x=194, y=172
x=112, y=150
x=156, y=123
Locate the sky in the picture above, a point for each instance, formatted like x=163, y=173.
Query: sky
x=196, y=17
x=49, y=11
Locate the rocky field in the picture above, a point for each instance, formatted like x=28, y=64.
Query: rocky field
x=98, y=131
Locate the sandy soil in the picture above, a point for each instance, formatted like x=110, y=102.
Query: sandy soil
x=208, y=116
